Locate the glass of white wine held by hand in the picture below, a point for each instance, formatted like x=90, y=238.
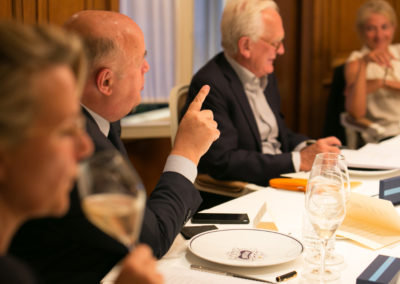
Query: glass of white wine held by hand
x=113, y=196
x=325, y=207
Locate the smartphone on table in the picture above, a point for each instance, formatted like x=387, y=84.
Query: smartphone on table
x=220, y=218
x=190, y=231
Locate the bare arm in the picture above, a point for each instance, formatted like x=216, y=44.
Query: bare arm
x=356, y=88
x=357, y=85
x=392, y=85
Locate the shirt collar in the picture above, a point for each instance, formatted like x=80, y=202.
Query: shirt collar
x=248, y=79
x=102, y=123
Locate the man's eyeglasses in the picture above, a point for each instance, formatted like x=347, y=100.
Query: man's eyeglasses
x=276, y=45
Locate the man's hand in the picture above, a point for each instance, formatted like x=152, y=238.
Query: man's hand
x=197, y=130
x=140, y=267
x=329, y=144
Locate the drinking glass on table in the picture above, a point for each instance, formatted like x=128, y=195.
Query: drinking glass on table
x=310, y=239
x=325, y=207
x=113, y=196
x=332, y=257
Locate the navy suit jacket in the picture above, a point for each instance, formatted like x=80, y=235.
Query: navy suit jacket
x=237, y=155
x=72, y=250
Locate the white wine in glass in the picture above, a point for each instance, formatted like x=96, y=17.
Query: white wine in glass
x=113, y=197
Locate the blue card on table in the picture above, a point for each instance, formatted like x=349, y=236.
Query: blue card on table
x=383, y=270
x=389, y=189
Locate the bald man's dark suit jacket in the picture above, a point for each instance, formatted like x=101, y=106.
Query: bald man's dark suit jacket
x=72, y=250
x=237, y=155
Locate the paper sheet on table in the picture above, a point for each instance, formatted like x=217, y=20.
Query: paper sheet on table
x=370, y=221
x=384, y=155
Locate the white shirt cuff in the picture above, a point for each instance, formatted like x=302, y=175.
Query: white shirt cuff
x=181, y=165
x=296, y=160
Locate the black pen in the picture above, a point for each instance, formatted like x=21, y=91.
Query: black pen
x=340, y=146
x=286, y=276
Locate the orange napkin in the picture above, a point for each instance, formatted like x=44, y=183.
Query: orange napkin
x=298, y=184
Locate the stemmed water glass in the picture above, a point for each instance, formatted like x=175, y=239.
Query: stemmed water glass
x=325, y=207
x=113, y=196
x=332, y=257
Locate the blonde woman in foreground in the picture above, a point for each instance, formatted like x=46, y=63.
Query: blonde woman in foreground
x=42, y=71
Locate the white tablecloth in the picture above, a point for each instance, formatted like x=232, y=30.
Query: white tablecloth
x=285, y=208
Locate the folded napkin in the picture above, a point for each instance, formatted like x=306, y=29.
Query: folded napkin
x=297, y=184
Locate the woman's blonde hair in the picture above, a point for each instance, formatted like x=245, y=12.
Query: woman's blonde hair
x=242, y=18
x=374, y=6
x=25, y=51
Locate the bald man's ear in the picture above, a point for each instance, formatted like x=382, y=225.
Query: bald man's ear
x=244, y=46
x=104, y=81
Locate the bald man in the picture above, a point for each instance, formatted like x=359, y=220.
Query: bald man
x=71, y=249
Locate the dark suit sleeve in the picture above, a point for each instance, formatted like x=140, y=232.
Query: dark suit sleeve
x=237, y=155
x=72, y=250
x=169, y=207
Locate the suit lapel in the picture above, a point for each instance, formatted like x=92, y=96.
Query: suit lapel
x=102, y=142
x=273, y=99
x=241, y=98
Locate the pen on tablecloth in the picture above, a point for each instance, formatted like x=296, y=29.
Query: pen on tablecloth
x=280, y=278
x=309, y=142
x=286, y=276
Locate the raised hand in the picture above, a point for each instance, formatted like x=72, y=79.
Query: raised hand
x=197, y=130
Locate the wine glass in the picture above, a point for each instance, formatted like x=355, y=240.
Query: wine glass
x=325, y=207
x=332, y=258
x=113, y=196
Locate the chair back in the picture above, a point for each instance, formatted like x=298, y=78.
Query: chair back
x=177, y=100
x=335, y=106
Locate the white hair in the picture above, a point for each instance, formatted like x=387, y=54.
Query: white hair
x=242, y=18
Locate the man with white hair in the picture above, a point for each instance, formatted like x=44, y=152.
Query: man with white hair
x=255, y=145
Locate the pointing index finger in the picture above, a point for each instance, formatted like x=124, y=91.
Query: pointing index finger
x=199, y=99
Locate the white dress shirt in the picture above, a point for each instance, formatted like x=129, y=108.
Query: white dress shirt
x=266, y=122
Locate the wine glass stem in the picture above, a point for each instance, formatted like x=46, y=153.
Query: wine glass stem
x=324, y=243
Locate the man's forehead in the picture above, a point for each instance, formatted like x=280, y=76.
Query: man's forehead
x=273, y=24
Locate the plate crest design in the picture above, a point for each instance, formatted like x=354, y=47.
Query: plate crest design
x=245, y=254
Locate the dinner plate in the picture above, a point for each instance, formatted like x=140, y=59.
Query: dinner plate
x=245, y=247
x=368, y=172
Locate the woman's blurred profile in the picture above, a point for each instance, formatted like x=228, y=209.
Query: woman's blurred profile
x=42, y=139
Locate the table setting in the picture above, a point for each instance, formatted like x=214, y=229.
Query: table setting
x=272, y=244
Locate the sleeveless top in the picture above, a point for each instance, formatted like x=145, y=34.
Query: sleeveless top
x=383, y=105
